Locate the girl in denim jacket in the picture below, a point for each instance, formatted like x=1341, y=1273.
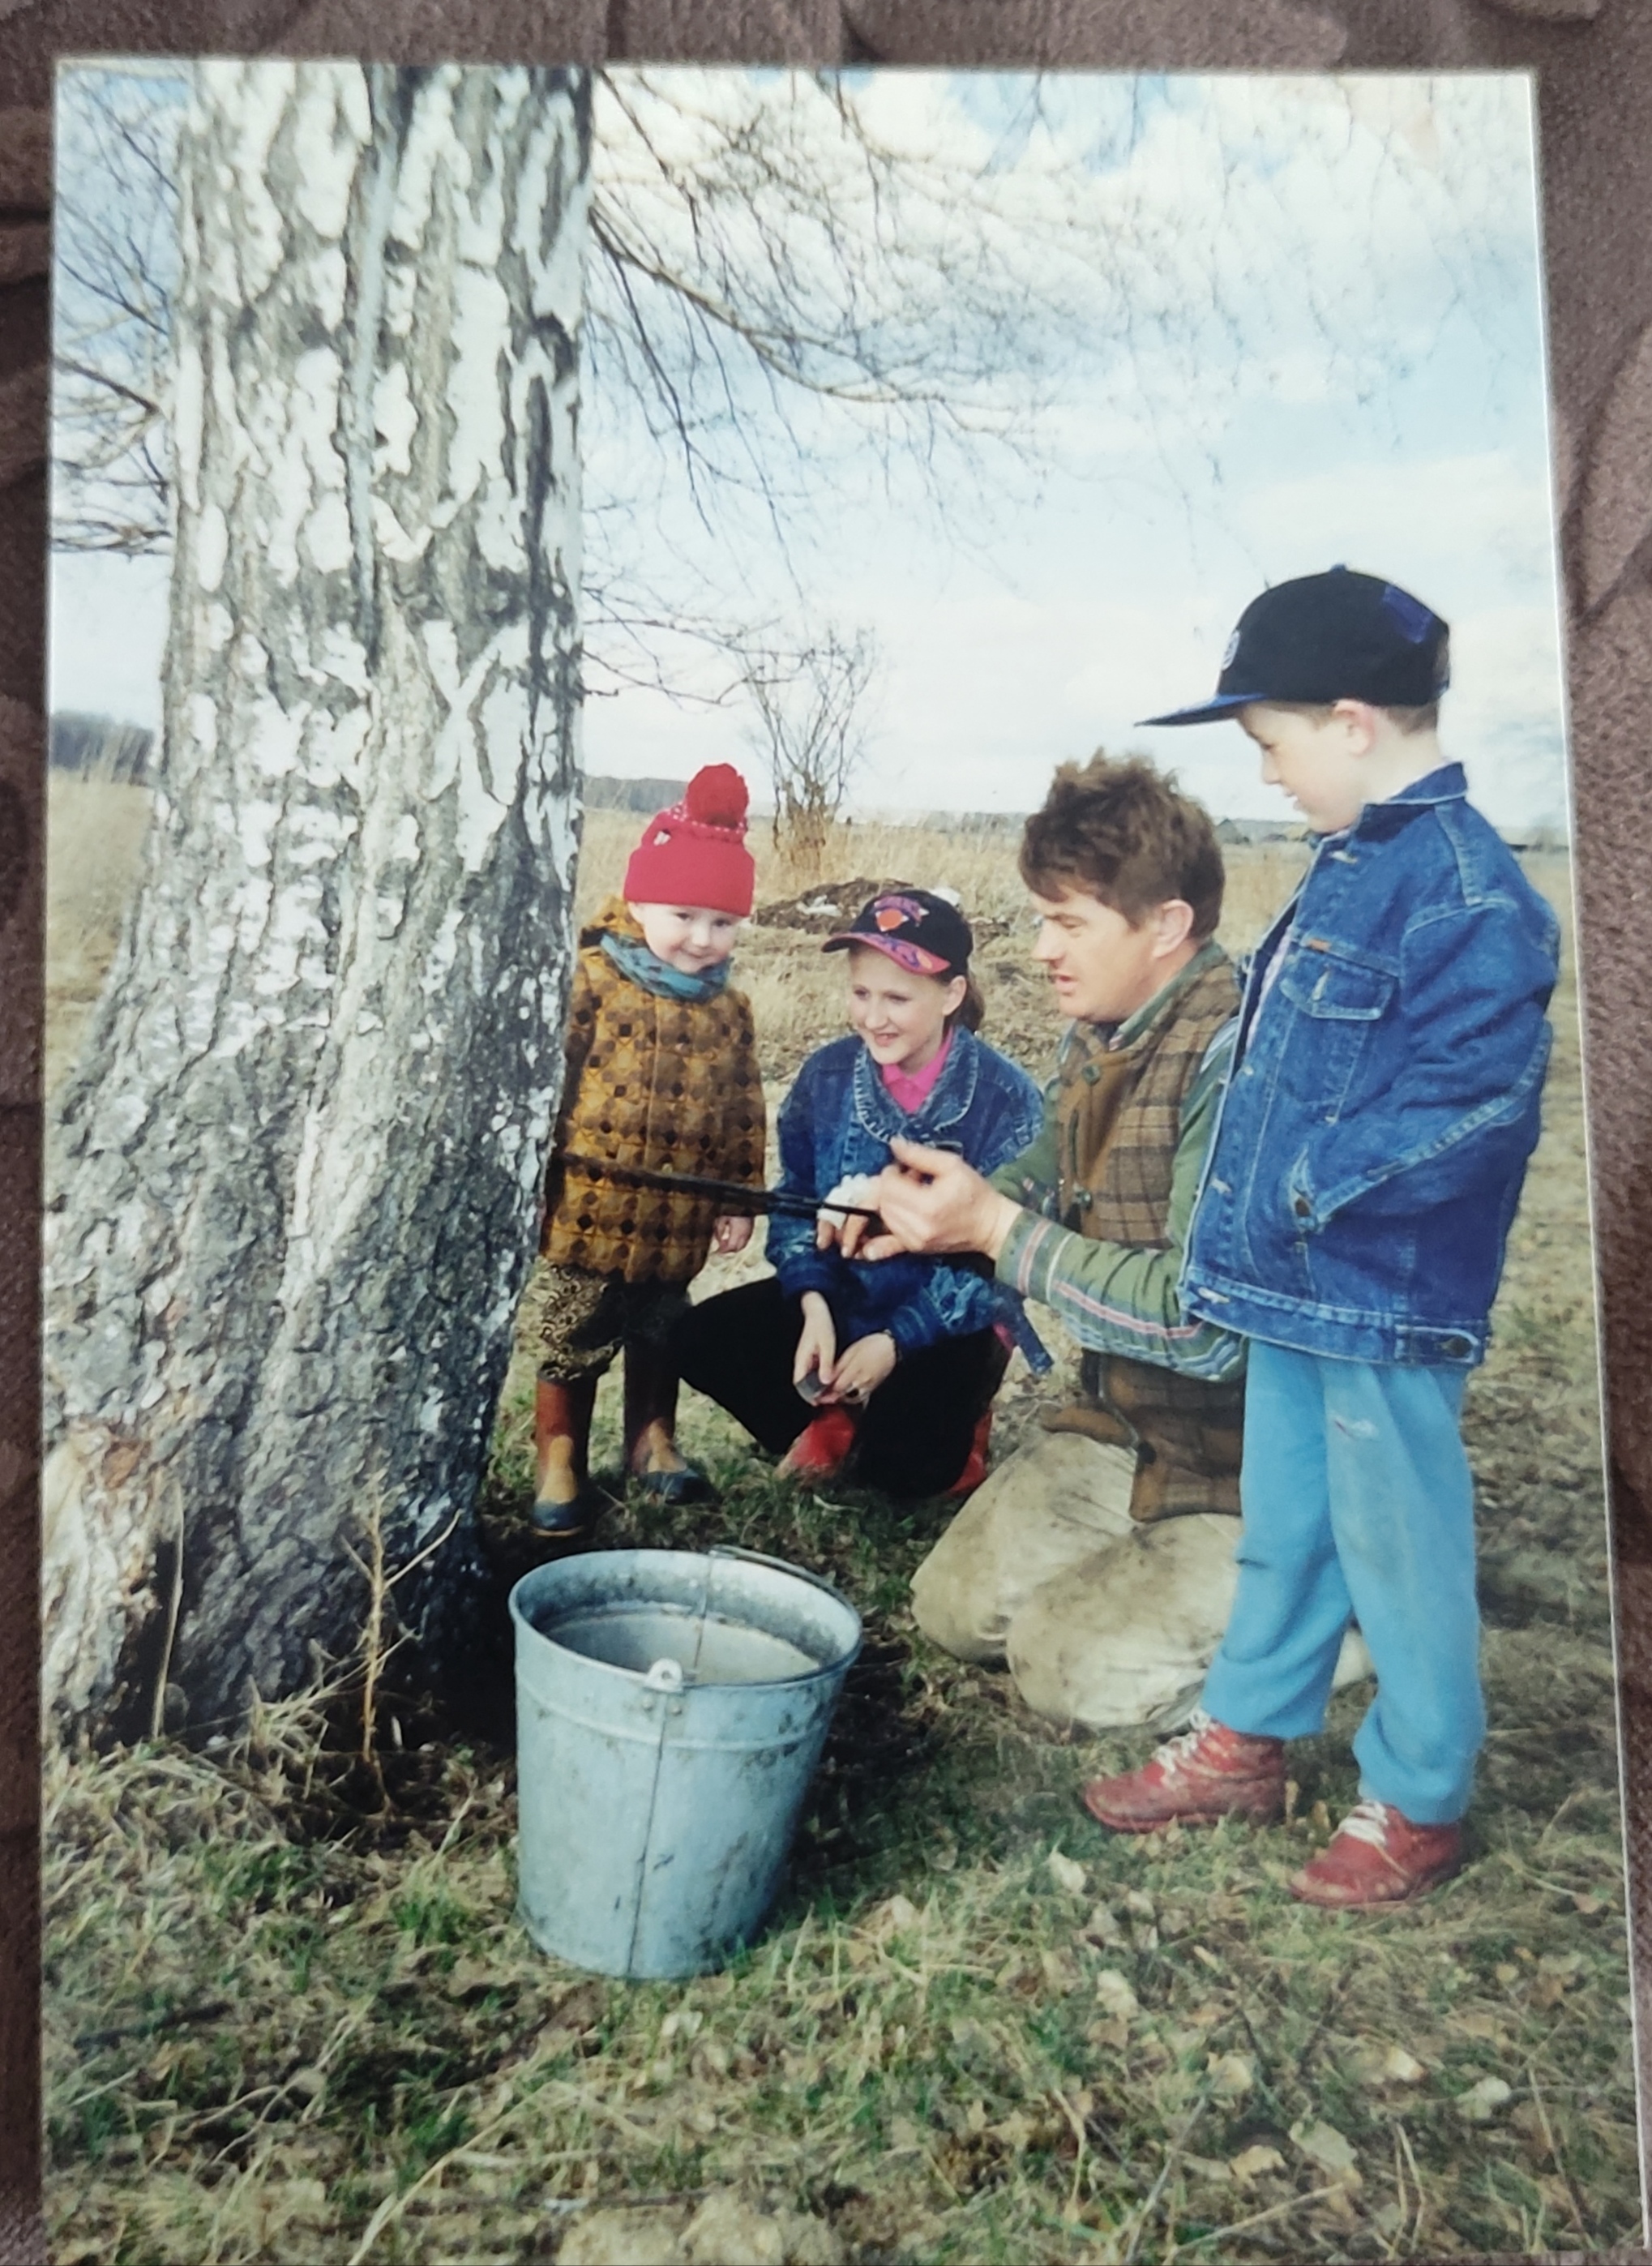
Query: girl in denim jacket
x=890, y=1368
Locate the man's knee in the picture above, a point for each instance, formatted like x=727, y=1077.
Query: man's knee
x=954, y=1592
x=1051, y=1505
x=1126, y=1637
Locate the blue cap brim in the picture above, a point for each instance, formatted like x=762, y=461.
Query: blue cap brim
x=1208, y=711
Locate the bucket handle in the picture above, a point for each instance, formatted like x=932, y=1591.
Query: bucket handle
x=780, y=1566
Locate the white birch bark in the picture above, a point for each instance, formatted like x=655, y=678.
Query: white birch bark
x=296, y=1175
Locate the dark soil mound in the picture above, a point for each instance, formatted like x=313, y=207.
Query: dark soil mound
x=833, y=904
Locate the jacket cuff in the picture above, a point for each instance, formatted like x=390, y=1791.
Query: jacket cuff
x=1021, y=1187
x=1015, y=1263
x=906, y=1326
x=807, y=1270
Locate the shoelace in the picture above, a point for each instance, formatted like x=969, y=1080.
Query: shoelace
x=1174, y=1752
x=1367, y=1821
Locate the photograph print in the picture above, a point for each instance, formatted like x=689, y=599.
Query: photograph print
x=824, y=1468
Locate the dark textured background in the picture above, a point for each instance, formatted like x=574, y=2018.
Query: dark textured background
x=1594, y=63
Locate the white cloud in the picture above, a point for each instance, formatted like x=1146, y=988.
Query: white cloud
x=1471, y=522
x=108, y=631
x=988, y=686
x=1504, y=716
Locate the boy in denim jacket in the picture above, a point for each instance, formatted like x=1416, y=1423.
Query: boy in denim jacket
x=1351, y=1224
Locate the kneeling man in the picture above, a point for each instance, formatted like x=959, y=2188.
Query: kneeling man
x=1098, y=1561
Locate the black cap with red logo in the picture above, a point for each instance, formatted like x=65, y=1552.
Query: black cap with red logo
x=920, y=932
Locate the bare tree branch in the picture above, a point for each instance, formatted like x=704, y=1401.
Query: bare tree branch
x=799, y=284
x=812, y=727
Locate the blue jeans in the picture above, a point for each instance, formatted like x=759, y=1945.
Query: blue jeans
x=1358, y=1506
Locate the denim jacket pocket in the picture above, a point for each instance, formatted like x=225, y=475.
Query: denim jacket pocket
x=1325, y=980
x=1337, y=997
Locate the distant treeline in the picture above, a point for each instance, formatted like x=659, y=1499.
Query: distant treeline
x=97, y=747
x=645, y=795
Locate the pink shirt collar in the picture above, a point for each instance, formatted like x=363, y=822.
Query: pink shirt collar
x=911, y=1089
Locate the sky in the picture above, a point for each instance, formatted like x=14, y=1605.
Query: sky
x=1276, y=325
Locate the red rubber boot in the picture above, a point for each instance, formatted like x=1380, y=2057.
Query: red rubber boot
x=566, y=1504
x=822, y=1448
x=975, y=1467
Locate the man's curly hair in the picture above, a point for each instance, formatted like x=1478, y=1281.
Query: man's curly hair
x=1123, y=831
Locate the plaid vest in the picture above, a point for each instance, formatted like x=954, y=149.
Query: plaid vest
x=1118, y=1120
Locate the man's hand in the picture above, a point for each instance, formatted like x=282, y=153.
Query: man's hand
x=859, y=1188
x=863, y=1368
x=931, y=1200
x=731, y=1233
x=817, y=1345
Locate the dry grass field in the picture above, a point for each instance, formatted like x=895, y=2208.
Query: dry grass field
x=286, y=2022
x=95, y=833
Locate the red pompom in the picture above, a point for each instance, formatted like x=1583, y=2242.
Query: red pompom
x=717, y=796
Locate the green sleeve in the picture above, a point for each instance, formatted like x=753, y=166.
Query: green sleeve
x=1117, y=1298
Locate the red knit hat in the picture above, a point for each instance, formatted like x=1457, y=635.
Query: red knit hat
x=695, y=853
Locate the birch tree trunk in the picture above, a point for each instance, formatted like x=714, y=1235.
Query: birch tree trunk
x=297, y=1174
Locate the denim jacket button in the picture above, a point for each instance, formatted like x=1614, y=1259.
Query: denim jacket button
x=1302, y=1208
x=1456, y=1349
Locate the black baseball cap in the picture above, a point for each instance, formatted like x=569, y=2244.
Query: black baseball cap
x=920, y=932
x=1336, y=636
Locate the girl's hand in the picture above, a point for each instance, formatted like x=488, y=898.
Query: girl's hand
x=830, y=1225
x=817, y=1345
x=864, y=1368
x=731, y=1233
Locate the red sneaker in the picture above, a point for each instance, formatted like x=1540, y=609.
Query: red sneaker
x=975, y=1467
x=1378, y=1857
x=822, y=1447
x=1208, y=1772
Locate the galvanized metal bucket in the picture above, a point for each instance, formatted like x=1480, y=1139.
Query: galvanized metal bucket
x=670, y=1709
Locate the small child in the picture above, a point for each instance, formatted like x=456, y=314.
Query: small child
x=1351, y=1224
x=662, y=1076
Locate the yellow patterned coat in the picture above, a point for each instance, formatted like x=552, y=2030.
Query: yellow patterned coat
x=670, y=1084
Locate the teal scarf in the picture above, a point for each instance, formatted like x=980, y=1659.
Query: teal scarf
x=633, y=958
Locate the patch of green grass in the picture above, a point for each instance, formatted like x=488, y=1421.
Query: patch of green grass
x=268, y=1877
x=428, y=2127
x=430, y=1914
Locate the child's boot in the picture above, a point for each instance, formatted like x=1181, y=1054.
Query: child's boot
x=822, y=1448
x=564, y=1503
x=1377, y=1856
x=975, y=1467
x=1207, y=1772
x=653, y=1462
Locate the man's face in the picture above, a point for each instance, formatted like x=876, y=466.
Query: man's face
x=1316, y=759
x=1103, y=969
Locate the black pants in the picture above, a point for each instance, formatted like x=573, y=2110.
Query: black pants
x=914, y=1432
